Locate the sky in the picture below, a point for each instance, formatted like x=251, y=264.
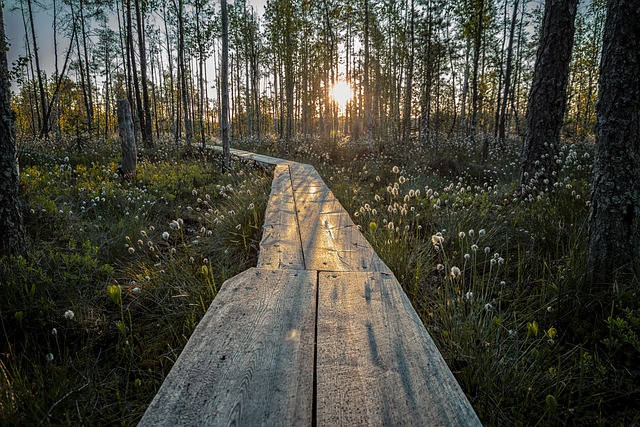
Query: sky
x=43, y=19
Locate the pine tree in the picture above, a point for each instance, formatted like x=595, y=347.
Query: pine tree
x=13, y=235
x=614, y=222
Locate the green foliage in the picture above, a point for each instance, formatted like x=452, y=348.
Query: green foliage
x=96, y=316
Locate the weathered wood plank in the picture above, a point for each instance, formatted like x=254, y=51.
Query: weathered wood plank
x=376, y=363
x=280, y=246
x=250, y=359
x=330, y=239
x=261, y=158
x=306, y=179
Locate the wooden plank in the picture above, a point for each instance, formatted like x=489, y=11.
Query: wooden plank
x=330, y=239
x=250, y=359
x=306, y=179
x=376, y=363
x=261, y=158
x=280, y=246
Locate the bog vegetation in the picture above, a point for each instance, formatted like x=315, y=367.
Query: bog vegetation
x=118, y=275
x=413, y=112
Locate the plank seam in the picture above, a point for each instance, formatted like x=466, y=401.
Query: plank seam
x=314, y=398
x=295, y=207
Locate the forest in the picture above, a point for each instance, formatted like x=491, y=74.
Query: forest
x=431, y=68
x=489, y=150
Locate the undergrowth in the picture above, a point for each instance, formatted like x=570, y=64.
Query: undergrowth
x=118, y=275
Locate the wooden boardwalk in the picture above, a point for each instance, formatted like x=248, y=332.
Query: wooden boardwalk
x=319, y=333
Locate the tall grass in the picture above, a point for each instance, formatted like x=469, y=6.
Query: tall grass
x=118, y=275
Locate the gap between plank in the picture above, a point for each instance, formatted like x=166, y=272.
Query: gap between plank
x=314, y=408
x=295, y=207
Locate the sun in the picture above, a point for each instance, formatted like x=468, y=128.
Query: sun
x=341, y=93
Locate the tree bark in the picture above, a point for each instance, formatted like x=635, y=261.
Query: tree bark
x=288, y=68
x=13, y=233
x=255, y=70
x=548, y=95
x=476, y=62
x=367, y=83
x=614, y=221
x=224, y=115
x=507, y=77
x=174, y=126
x=43, y=100
x=406, y=125
x=188, y=129
x=87, y=70
x=138, y=119
x=147, y=124
x=127, y=139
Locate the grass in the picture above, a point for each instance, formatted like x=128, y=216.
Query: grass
x=496, y=275
x=118, y=275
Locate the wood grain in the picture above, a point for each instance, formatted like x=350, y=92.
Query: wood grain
x=280, y=246
x=250, y=359
x=247, y=155
x=376, y=363
x=330, y=239
x=253, y=357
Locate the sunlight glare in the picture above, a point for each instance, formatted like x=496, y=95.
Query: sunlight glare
x=341, y=93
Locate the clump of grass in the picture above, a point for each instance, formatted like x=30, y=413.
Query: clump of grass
x=118, y=275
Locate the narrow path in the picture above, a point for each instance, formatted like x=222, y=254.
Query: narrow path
x=319, y=333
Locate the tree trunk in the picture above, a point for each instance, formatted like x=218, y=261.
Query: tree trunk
x=43, y=100
x=13, y=234
x=255, y=70
x=81, y=68
x=147, y=124
x=289, y=76
x=86, y=65
x=170, y=58
x=547, y=98
x=124, y=48
x=465, y=89
x=406, y=125
x=201, y=82
x=139, y=117
x=59, y=77
x=507, y=77
x=188, y=131
x=367, y=83
x=476, y=63
x=614, y=221
x=425, y=97
x=224, y=115
x=127, y=139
